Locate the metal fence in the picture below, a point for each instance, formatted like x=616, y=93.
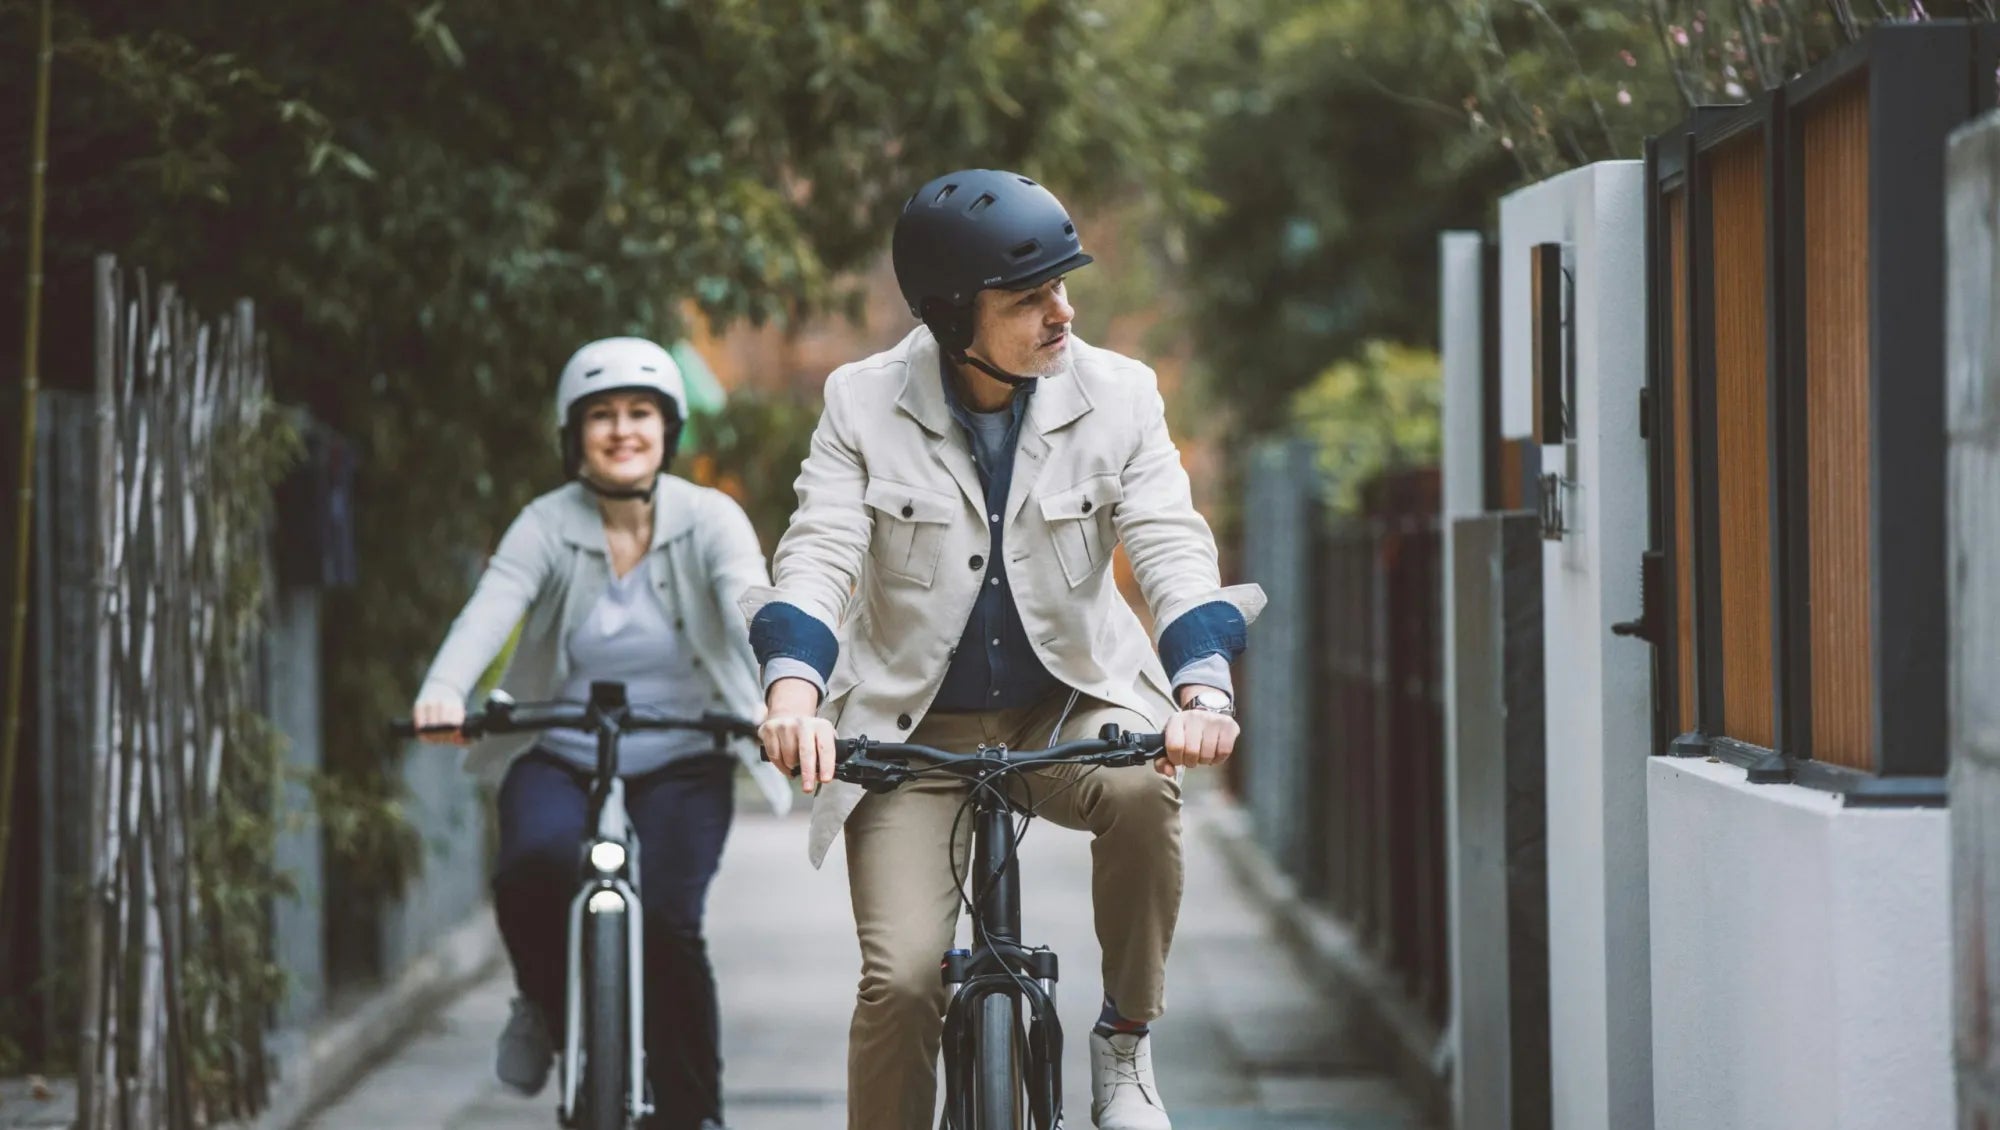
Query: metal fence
x=1344, y=765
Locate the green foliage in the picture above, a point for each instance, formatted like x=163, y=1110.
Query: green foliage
x=230, y=980
x=1561, y=83
x=1378, y=412
x=751, y=450
x=1341, y=136
x=1337, y=147
x=228, y=977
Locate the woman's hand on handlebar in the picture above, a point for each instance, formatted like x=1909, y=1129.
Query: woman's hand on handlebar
x=794, y=737
x=438, y=720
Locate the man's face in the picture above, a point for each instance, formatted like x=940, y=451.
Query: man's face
x=1024, y=331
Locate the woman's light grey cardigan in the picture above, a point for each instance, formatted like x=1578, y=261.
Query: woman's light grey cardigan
x=551, y=567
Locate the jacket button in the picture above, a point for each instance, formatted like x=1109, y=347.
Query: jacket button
x=1086, y=506
x=902, y=721
x=908, y=510
x=977, y=562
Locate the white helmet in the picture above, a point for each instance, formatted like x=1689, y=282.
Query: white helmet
x=618, y=364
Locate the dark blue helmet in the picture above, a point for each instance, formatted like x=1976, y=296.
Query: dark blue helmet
x=974, y=230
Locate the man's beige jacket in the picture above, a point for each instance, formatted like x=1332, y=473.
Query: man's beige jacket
x=888, y=543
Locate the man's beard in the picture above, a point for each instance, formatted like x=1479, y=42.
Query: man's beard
x=1043, y=363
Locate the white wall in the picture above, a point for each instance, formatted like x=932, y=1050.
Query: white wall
x=1478, y=968
x=1801, y=957
x=1461, y=257
x=1972, y=344
x=1598, y=685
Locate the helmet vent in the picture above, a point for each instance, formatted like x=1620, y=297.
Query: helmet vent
x=592, y=372
x=1026, y=249
x=944, y=194
x=1069, y=229
x=649, y=368
x=1024, y=180
x=986, y=200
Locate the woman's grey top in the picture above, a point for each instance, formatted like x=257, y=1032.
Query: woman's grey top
x=627, y=637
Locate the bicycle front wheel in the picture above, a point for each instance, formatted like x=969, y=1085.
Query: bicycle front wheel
x=607, y=1009
x=997, y=1096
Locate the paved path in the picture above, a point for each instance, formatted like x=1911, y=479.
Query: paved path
x=1246, y=1044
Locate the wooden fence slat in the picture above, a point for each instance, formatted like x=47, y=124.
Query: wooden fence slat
x=1837, y=431
x=1742, y=413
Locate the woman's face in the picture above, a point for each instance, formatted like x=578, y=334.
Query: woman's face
x=624, y=438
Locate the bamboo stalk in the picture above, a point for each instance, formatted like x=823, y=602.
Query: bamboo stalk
x=91, y=1003
x=31, y=343
x=176, y=880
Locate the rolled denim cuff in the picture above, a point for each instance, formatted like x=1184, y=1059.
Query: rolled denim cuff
x=1216, y=628
x=786, y=631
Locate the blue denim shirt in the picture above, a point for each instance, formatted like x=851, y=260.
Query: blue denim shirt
x=994, y=667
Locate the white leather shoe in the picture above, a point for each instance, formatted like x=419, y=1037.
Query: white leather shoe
x=1123, y=1095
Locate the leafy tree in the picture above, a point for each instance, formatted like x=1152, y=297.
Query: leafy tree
x=1336, y=149
x=1341, y=136
x=1376, y=413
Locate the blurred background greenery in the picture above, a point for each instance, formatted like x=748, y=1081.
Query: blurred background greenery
x=434, y=202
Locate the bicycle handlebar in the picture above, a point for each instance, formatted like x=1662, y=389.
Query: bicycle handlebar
x=886, y=764
x=515, y=719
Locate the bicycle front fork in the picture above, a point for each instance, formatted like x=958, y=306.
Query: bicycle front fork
x=1029, y=977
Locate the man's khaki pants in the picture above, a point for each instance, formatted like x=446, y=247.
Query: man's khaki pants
x=906, y=902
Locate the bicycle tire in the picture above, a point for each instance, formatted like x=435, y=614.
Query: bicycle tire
x=997, y=1100
x=607, y=1009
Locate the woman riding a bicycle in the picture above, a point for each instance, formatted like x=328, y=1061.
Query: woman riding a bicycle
x=628, y=574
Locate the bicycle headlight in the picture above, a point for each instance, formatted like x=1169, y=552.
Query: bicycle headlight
x=607, y=857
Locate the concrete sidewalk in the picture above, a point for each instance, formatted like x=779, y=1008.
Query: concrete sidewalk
x=1248, y=1043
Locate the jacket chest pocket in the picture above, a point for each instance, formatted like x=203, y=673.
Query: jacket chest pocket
x=910, y=524
x=1079, y=521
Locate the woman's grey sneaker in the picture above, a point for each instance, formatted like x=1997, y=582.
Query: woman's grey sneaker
x=526, y=1052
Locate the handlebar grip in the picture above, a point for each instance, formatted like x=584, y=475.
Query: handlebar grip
x=404, y=728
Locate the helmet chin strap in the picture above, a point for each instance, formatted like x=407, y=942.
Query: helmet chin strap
x=621, y=494
x=966, y=357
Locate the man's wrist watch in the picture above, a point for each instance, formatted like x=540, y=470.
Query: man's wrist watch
x=1213, y=701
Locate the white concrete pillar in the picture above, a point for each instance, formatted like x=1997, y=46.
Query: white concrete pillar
x=1598, y=685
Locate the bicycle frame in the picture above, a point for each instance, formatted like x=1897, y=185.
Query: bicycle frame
x=607, y=886
x=999, y=964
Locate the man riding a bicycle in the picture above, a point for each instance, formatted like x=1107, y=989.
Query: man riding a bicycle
x=947, y=581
